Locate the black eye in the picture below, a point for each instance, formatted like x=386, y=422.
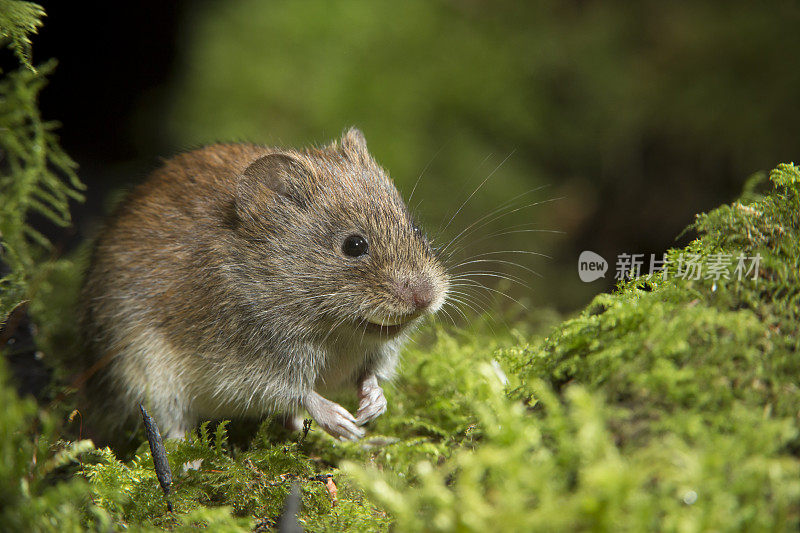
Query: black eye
x=417, y=231
x=355, y=245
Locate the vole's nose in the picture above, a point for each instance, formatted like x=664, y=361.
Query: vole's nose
x=416, y=291
x=423, y=294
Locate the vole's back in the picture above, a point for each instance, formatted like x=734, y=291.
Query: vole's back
x=154, y=264
x=154, y=276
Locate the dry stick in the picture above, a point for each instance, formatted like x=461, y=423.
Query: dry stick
x=287, y=523
x=163, y=471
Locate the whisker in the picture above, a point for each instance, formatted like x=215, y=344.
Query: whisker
x=444, y=311
x=501, y=261
x=476, y=190
x=484, y=287
x=496, y=218
x=476, y=311
x=494, y=274
x=410, y=196
x=511, y=232
x=459, y=311
x=498, y=252
x=468, y=296
x=505, y=205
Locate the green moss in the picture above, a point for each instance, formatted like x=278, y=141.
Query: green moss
x=670, y=404
x=30, y=461
x=36, y=177
x=431, y=415
x=18, y=20
x=701, y=347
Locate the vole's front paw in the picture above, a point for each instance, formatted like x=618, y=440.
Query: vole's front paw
x=371, y=402
x=333, y=418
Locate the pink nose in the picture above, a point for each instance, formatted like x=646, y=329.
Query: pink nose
x=416, y=292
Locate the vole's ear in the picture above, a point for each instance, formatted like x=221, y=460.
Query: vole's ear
x=354, y=143
x=268, y=176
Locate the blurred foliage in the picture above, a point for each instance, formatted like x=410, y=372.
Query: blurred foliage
x=668, y=405
x=30, y=456
x=17, y=21
x=36, y=176
x=630, y=111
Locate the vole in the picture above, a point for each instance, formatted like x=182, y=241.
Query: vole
x=241, y=280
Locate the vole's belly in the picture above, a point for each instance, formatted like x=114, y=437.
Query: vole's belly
x=253, y=389
x=247, y=390
x=341, y=370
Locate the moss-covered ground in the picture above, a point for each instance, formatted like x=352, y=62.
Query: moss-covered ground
x=671, y=404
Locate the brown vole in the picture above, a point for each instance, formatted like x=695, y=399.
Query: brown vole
x=241, y=280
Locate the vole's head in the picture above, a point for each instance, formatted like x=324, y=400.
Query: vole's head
x=330, y=238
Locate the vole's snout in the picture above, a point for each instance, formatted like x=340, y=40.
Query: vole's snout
x=417, y=295
x=417, y=292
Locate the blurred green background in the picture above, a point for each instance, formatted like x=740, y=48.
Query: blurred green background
x=632, y=116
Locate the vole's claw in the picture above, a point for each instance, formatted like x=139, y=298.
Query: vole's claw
x=347, y=431
x=333, y=418
x=370, y=413
x=372, y=402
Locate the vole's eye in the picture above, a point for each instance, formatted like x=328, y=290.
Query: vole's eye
x=355, y=245
x=417, y=231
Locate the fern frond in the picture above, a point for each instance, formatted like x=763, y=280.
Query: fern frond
x=18, y=20
x=71, y=452
x=36, y=176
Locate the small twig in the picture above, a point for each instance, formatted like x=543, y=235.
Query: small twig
x=287, y=523
x=71, y=417
x=163, y=471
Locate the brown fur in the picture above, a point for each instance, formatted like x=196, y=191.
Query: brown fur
x=220, y=288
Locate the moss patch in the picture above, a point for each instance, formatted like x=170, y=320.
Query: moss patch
x=671, y=404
